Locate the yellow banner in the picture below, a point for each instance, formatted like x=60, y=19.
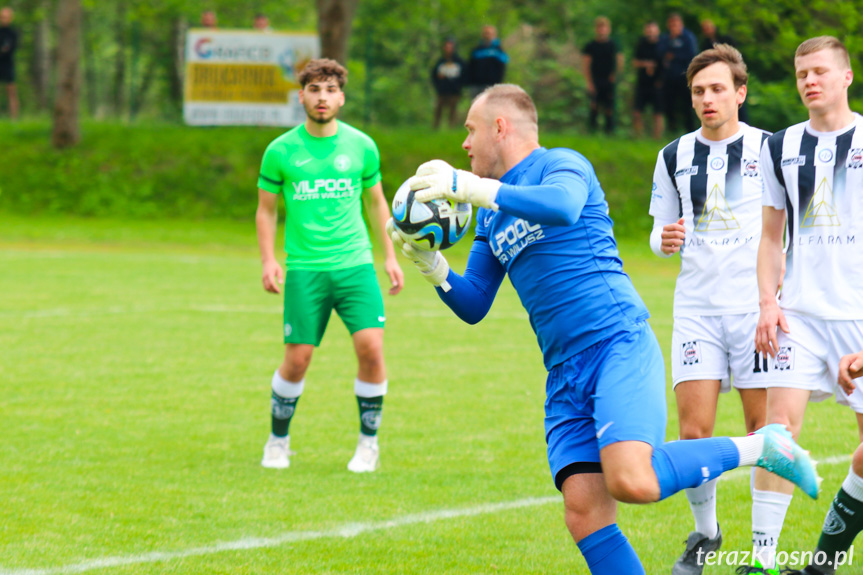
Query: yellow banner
x=250, y=83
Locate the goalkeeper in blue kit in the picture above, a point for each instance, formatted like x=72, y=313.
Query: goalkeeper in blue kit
x=543, y=220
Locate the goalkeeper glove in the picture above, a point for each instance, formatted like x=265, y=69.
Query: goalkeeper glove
x=437, y=179
x=432, y=265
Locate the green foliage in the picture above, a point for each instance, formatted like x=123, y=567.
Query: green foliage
x=147, y=170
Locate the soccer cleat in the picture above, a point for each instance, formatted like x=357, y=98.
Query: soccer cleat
x=276, y=452
x=366, y=457
x=781, y=455
x=697, y=547
x=756, y=569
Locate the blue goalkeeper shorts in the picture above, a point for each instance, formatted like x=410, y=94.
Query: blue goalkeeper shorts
x=612, y=391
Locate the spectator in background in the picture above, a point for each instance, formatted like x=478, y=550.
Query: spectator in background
x=8, y=45
x=648, y=85
x=487, y=64
x=601, y=59
x=262, y=23
x=712, y=37
x=447, y=77
x=677, y=48
x=209, y=20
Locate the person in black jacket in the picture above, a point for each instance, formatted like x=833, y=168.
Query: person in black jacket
x=447, y=77
x=487, y=64
x=8, y=45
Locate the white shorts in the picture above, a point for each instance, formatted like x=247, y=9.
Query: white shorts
x=808, y=357
x=717, y=347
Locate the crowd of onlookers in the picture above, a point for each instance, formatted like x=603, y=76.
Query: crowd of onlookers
x=659, y=60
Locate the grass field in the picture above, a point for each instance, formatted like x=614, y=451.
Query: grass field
x=135, y=361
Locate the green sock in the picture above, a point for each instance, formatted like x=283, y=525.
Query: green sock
x=843, y=522
x=370, y=414
x=283, y=409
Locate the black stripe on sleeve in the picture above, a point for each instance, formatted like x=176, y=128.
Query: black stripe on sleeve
x=774, y=144
x=272, y=181
x=371, y=176
x=669, y=156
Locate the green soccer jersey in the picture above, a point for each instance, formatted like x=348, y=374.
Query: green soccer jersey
x=322, y=180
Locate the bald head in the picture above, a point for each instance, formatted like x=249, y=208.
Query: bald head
x=509, y=101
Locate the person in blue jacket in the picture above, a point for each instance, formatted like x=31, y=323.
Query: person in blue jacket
x=487, y=63
x=677, y=48
x=543, y=220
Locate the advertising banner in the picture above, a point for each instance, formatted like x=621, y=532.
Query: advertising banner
x=245, y=77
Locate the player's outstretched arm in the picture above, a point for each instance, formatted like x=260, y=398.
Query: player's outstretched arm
x=850, y=368
x=266, y=223
x=769, y=270
x=558, y=201
x=469, y=296
x=379, y=214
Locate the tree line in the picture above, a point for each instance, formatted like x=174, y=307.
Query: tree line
x=123, y=59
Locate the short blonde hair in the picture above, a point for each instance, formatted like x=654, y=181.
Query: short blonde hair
x=513, y=95
x=819, y=43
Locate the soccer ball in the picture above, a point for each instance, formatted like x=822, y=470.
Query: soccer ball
x=429, y=226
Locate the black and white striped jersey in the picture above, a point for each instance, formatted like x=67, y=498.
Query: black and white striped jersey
x=716, y=187
x=817, y=177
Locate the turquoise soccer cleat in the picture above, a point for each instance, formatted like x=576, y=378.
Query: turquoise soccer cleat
x=781, y=455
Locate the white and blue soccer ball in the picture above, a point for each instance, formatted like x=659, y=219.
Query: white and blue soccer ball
x=429, y=226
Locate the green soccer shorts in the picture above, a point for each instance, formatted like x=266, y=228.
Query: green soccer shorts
x=311, y=296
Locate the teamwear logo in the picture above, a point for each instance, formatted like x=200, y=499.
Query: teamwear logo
x=288, y=329
x=342, y=163
x=855, y=158
x=691, y=353
x=371, y=419
x=509, y=242
x=299, y=163
x=281, y=410
x=749, y=168
x=833, y=524
x=717, y=163
x=798, y=161
x=821, y=211
x=784, y=358
x=824, y=156
x=690, y=171
x=717, y=215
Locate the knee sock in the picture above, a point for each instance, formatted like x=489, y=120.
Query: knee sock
x=370, y=399
x=843, y=522
x=285, y=396
x=702, y=502
x=608, y=552
x=768, y=515
x=692, y=462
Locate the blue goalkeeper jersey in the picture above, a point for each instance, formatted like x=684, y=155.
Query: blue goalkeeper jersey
x=553, y=236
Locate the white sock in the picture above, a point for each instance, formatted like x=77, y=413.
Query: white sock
x=285, y=388
x=749, y=448
x=853, y=485
x=367, y=389
x=702, y=501
x=768, y=515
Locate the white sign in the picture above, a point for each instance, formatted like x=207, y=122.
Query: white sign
x=243, y=77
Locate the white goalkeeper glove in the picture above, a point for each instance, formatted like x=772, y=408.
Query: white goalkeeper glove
x=432, y=265
x=437, y=179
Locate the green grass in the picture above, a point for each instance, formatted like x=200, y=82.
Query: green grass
x=135, y=360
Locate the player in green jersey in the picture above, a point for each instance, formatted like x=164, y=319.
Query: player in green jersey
x=324, y=168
